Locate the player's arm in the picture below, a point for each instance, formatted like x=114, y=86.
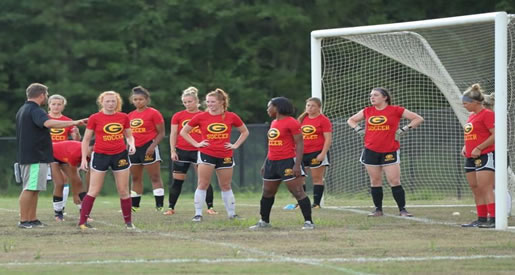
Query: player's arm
x=53, y=123
x=244, y=133
x=185, y=133
x=173, y=141
x=84, y=148
x=476, y=152
x=414, y=118
x=299, y=151
x=328, y=140
x=160, y=128
x=354, y=120
x=75, y=133
x=130, y=140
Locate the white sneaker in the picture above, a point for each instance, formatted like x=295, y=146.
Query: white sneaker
x=260, y=225
x=197, y=218
x=130, y=226
x=308, y=225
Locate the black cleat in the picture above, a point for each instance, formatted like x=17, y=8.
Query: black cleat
x=471, y=224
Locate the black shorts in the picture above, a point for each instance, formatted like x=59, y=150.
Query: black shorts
x=482, y=163
x=309, y=160
x=102, y=162
x=370, y=157
x=186, y=158
x=280, y=170
x=139, y=158
x=219, y=163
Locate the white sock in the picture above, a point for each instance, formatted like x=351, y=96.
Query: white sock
x=66, y=191
x=159, y=192
x=58, y=206
x=200, y=198
x=230, y=202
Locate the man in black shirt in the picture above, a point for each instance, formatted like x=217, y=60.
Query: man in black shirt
x=34, y=150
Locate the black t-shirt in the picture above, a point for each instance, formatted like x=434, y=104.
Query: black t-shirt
x=32, y=137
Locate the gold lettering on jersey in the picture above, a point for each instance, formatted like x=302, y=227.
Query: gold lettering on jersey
x=58, y=138
x=378, y=128
x=217, y=136
x=470, y=137
x=195, y=130
x=113, y=128
x=112, y=137
x=275, y=143
x=217, y=128
x=57, y=131
x=377, y=120
x=468, y=128
x=139, y=130
x=137, y=122
x=310, y=137
x=288, y=172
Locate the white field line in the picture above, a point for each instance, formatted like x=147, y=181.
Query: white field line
x=264, y=260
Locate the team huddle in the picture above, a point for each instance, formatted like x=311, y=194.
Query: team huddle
x=128, y=145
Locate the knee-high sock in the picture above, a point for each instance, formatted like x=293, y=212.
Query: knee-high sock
x=305, y=207
x=159, y=195
x=209, y=197
x=230, y=202
x=66, y=192
x=58, y=204
x=136, y=198
x=200, y=197
x=318, y=191
x=377, y=197
x=125, y=204
x=399, y=196
x=87, y=205
x=491, y=209
x=266, y=208
x=174, y=193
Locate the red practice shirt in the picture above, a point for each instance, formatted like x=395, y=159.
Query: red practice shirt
x=380, y=128
x=477, y=130
x=60, y=134
x=281, y=144
x=313, y=130
x=217, y=131
x=180, y=119
x=68, y=151
x=143, y=125
x=109, y=137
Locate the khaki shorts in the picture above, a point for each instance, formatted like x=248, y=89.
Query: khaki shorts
x=34, y=176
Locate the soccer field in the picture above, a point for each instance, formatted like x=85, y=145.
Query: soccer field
x=345, y=241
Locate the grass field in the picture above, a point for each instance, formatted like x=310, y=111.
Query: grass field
x=344, y=242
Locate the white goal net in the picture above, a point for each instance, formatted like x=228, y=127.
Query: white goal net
x=426, y=70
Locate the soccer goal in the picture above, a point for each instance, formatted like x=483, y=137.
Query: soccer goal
x=426, y=65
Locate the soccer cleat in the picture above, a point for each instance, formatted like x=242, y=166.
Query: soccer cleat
x=159, y=209
x=212, y=211
x=316, y=206
x=130, y=226
x=169, y=212
x=471, y=224
x=405, y=213
x=86, y=227
x=235, y=218
x=308, y=225
x=197, y=218
x=376, y=213
x=37, y=223
x=59, y=217
x=135, y=209
x=260, y=225
x=25, y=225
x=488, y=224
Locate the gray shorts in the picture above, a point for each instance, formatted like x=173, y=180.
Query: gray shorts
x=34, y=176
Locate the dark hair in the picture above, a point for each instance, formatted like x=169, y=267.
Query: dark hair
x=385, y=93
x=36, y=89
x=283, y=105
x=139, y=90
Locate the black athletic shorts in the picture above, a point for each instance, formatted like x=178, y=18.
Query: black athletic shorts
x=139, y=158
x=309, y=160
x=219, y=163
x=370, y=157
x=280, y=170
x=102, y=162
x=186, y=158
x=483, y=162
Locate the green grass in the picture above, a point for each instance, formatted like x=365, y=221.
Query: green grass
x=345, y=241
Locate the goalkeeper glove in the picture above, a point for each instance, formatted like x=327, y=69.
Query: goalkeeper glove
x=401, y=131
x=360, y=131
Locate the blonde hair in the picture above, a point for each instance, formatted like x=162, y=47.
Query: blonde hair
x=475, y=92
x=311, y=99
x=58, y=97
x=191, y=92
x=489, y=101
x=119, y=101
x=221, y=96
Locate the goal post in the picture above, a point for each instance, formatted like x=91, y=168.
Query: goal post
x=427, y=65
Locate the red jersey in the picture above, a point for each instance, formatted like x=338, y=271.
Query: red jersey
x=313, y=130
x=143, y=125
x=477, y=130
x=380, y=128
x=180, y=119
x=60, y=134
x=281, y=144
x=217, y=131
x=109, y=137
x=68, y=151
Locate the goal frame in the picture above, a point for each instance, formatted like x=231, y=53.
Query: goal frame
x=501, y=85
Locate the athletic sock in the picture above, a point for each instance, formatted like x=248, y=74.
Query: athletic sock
x=58, y=203
x=87, y=205
x=318, y=192
x=159, y=196
x=200, y=197
x=125, y=204
x=377, y=197
x=174, y=192
x=136, y=198
x=266, y=208
x=491, y=210
x=305, y=207
x=230, y=202
x=209, y=197
x=482, y=211
x=399, y=196
x=66, y=191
